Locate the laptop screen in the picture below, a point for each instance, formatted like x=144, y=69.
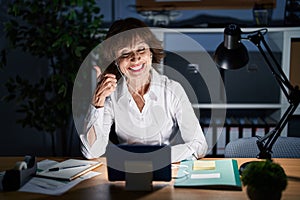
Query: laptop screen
x=126, y=159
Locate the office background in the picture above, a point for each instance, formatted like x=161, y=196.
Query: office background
x=16, y=140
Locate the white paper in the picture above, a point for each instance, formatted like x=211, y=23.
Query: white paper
x=46, y=164
x=64, y=173
x=53, y=187
x=205, y=176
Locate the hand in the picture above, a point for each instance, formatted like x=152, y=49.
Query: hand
x=106, y=85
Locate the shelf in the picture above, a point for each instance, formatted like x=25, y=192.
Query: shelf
x=154, y=5
x=219, y=30
x=237, y=106
x=180, y=56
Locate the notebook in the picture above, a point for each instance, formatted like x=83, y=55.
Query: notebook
x=216, y=174
x=69, y=169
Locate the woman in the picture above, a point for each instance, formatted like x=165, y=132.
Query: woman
x=146, y=107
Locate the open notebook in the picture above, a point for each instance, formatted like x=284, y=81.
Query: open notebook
x=69, y=169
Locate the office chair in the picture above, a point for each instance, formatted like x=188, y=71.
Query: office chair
x=293, y=126
x=113, y=138
x=284, y=147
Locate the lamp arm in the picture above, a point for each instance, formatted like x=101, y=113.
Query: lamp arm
x=292, y=94
x=265, y=148
x=258, y=39
x=284, y=79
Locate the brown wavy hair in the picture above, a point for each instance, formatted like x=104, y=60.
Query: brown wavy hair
x=123, y=33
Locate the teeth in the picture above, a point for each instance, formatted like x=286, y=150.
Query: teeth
x=137, y=67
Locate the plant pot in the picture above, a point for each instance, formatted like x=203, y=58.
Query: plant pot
x=257, y=194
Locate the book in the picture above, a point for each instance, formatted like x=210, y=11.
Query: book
x=69, y=169
x=224, y=175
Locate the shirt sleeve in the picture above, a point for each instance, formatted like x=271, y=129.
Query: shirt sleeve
x=101, y=120
x=195, y=145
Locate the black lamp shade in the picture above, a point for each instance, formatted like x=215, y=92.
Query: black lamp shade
x=231, y=54
x=231, y=58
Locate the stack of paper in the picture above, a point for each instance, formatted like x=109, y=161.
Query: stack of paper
x=52, y=186
x=69, y=169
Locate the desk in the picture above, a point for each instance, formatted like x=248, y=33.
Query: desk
x=100, y=188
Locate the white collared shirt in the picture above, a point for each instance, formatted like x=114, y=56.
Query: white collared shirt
x=166, y=118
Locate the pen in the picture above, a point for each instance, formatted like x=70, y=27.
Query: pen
x=60, y=168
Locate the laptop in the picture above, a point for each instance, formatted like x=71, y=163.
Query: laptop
x=127, y=159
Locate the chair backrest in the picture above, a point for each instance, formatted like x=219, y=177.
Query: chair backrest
x=284, y=147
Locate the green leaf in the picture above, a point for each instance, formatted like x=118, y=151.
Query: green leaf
x=61, y=32
x=62, y=90
x=15, y=9
x=72, y=15
x=78, y=50
x=96, y=10
x=9, y=98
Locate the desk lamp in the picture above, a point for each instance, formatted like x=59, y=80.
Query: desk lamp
x=232, y=54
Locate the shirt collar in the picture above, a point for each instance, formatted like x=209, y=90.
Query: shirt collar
x=122, y=90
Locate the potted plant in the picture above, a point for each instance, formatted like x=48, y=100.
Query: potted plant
x=264, y=180
x=63, y=33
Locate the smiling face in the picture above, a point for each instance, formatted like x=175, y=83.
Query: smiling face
x=135, y=61
x=131, y=48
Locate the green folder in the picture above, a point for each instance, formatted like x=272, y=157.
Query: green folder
x=225, y=175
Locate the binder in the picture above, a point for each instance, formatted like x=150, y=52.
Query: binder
x=270, y=123
x=221, y=138
x=233, y=129
x=259, y=127
x=246, y=127
x=225, y=175
x=208, y=133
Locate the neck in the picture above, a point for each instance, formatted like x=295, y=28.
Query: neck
x=139, y=86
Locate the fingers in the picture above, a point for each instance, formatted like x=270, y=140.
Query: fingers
x=109, y=83
x=100, y=76
x=104, y=89
x=98, y=71
x=110, y=76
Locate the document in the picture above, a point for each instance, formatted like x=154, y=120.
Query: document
x=224, y=175
x=52, y=186
x=69, y=169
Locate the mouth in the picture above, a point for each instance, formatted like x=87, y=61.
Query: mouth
x=137, y=68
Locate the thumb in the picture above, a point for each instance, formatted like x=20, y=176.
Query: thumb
x=98, y=71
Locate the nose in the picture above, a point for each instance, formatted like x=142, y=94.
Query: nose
x=135, y=56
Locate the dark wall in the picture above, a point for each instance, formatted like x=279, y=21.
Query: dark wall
x=16, y=140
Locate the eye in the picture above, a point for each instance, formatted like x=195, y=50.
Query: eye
x=125, y=55
x=141, y=49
